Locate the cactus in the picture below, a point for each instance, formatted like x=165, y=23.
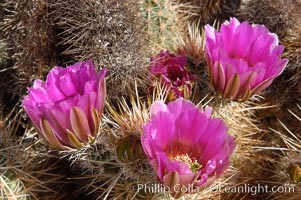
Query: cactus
x=284, y=92
x=292, y=43
x=27, y=29
x=28, y=34
x=107, y=32
x=5, y=75
x=110, y=168
x=3, y=53
x=193, y=44
x=121, y=35
x=242, y=124
x=32, y=173
x=285, y=165
x=46, y=175
x=161, y=23
x=278, y=16
x=11, y=187
x=208, y=11
x=128, y=168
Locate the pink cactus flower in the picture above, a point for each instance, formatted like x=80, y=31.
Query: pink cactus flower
x=66, y=109
x=185, y=146
x=242, y=59
x=172, y=71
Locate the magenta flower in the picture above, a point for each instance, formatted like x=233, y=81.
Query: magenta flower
x=242, y=59
x=185, y=146
x=172, y=71
x=66, y=109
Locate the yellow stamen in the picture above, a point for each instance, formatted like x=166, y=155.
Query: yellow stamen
x=193, y=165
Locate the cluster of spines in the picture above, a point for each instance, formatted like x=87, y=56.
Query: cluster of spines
x=107, y=32
x=161, y=23
x=209, y=11
x=28, y=34
x=19, y=177
x=278, y=16
x=11, y=187
x=114, y=169
x=283, y=166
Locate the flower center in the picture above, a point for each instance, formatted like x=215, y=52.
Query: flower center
x=192, y=164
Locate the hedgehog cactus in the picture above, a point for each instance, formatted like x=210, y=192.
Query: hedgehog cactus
x=278, y=16
x=11, y=187
x=118, y=156
x=27, y=30
x=292, y=42
x=286, y=164
x=116, y=163
x=33, y=173
x=5, y=75
x=161, y=21
x=3, y=53
x=193, y=44
x=209, y=11
x=108, y=32
x=132, y=151
x=32, y=54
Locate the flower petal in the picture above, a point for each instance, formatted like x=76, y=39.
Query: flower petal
x=232, y=87
x=158, y=106
x=79, y=123
x=101, y=90
x=189, y=132
x=49, y=134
